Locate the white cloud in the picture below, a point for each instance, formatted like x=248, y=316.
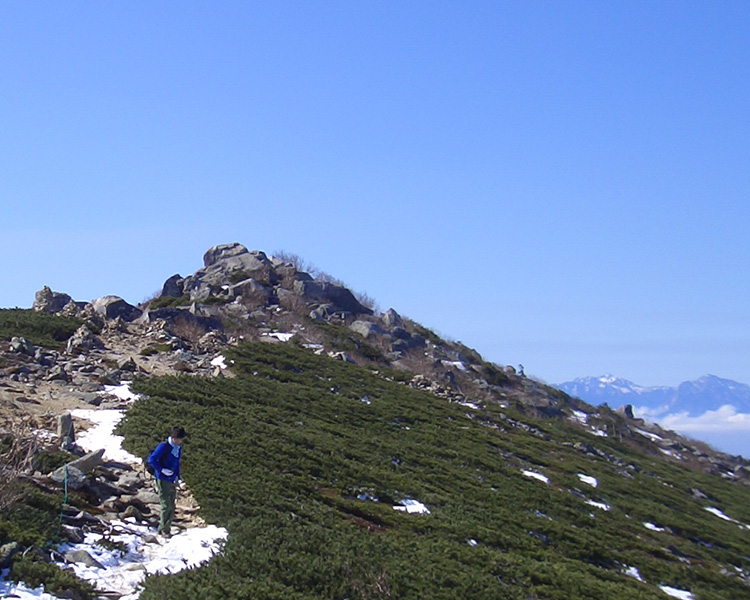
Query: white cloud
x=725, y=418
x=725, y=429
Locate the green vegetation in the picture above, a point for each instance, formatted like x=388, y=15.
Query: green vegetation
x=34, y=571
x=170, y=301
x=302, y=458
x=41, y=329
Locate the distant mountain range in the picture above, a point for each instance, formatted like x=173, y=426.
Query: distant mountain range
x=694, y=397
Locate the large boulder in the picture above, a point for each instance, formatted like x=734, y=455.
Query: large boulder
x=366, y=328
x=223, y=252
x=111, y=307
x=50, y=302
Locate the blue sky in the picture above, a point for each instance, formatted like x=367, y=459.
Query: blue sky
x=563, y=185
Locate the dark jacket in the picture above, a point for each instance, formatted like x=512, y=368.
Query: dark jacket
x=162, y=459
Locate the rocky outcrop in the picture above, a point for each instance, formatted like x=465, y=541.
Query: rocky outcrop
x=232, y=273
x=50, y=302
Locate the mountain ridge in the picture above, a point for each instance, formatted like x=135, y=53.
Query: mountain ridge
x=708, y=392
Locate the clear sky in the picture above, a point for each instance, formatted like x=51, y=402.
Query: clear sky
x=560, y=184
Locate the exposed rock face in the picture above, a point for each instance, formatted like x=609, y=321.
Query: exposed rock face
x=322, y=292
x=50, y=302
x=173, y=286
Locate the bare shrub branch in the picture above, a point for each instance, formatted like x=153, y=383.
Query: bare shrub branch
x=17, y=449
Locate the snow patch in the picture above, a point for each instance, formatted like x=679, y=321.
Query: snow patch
x=220, y=361
x=101, y=435
x=470, y=405
x=123, y=572
x=652, y=436
x=592, y=481
x=282, y=337
x=412, y=506
x=581, y=417
x=599, y=505
x=633, y=572
x=653, y=527
x=454, y=363
x=675, y=593
x=535, y=475
x=122, y=391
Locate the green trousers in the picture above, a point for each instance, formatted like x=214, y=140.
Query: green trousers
x=167, y=496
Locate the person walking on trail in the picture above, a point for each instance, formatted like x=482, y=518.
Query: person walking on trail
x=165, y=460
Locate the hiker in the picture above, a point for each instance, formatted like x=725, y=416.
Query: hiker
x=165, y=460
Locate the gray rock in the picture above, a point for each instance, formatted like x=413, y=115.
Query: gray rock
x=21, y=345
x=111, y=307
x=66, y=434
x=82, y=557
x=75, y=479
x=84, y=465
x=50, y=302
x=74, y=534
x=57, y=373
x=129, y=481
x=147, y=497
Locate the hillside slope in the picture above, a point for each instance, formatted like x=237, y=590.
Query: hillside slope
x=352, y=454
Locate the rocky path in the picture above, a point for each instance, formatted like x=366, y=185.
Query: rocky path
x=114, y=546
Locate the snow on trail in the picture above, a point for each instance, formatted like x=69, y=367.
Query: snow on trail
x=101, y=435
x=123, y=572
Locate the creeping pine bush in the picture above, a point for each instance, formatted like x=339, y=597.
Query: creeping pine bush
x=42, y=329
x=303, y=458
